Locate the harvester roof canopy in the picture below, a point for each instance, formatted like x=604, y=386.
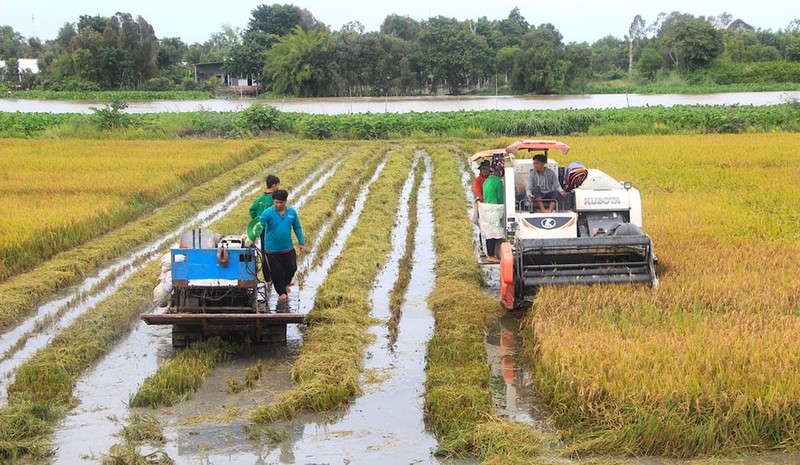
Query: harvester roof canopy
x=537, y=145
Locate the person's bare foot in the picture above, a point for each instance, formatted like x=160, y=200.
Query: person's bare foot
x=492, y=259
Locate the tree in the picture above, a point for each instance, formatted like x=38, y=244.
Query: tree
x=136, y=41
x=649, y=64
x=513, y=28
x=448, y=50
x=506, y=59
x=609, y=57
x=281, y=19
x=95, y=23
x=11, y=43
x=579, y=57
x=636, y=33
x=170, y=52
x=296, y=64
x=690, y=42
x=542, y=67
x=401, y=26
x=65, y=35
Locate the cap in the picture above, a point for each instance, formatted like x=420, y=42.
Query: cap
x=254, y=229
x=485, y=164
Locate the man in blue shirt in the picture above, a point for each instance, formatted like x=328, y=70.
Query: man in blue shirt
x=279, y=220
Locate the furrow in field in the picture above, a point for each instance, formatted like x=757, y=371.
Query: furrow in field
x=327, y=369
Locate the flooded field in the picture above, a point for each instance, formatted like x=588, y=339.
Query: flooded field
x=405, y=355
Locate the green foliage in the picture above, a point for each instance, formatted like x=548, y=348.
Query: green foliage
x=649, y=64
x=159, y=84
x=470, y=124
x=111, y=116
x=294, y=64
x=691, y=42
x=259, y=117
x=447, y=49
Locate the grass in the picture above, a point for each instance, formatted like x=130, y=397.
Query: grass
x=178, y=378
x=706, y=363
x=327, y=370
x=42, y=389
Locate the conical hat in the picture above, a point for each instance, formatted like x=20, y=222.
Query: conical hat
x=254, y=229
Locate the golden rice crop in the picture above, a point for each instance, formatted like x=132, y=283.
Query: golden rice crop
x=706, y=363
x=22, y=291
x=57, y=194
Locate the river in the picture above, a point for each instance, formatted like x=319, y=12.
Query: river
x=344, y=105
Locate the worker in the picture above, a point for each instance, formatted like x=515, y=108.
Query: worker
x=263, y=202
x=279, y=221
x=543, y=185
x=492, y=206
x=483, y=172
x=477, y=188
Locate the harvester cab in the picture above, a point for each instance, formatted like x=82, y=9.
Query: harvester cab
x=592, y=236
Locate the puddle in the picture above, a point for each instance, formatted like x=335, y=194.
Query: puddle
x=104, y=394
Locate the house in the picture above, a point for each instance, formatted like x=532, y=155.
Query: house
x=205, y=71
x=24, y=65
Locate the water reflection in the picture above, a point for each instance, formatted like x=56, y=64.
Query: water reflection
x=344, y=105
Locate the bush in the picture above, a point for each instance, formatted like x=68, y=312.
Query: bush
x=159, y=83
x=111, y=116
x=259, y=117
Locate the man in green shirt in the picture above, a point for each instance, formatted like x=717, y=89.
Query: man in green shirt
x=493, y=195
x=263, y=202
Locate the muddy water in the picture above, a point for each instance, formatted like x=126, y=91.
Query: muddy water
x=343, y=105
x=385, y=424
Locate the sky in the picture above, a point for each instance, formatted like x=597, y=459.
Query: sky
x=577, y=20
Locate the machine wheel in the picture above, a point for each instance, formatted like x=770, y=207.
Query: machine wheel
x=507, y=285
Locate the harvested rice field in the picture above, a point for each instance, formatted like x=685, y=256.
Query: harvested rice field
x=405, y=354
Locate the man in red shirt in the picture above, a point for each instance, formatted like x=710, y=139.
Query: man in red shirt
x=477, y=185
x=477, y=188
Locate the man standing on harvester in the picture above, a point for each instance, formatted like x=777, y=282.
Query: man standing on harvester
x=279, y=220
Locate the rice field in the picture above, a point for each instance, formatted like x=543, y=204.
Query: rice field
x=55, y=195
x=706, y=364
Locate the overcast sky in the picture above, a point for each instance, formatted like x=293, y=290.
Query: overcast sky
x=577, y=20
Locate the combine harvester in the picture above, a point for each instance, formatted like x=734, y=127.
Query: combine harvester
x=209, y=287
x=593, y=236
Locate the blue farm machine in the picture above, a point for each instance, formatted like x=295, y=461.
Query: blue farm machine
x=211, y=288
